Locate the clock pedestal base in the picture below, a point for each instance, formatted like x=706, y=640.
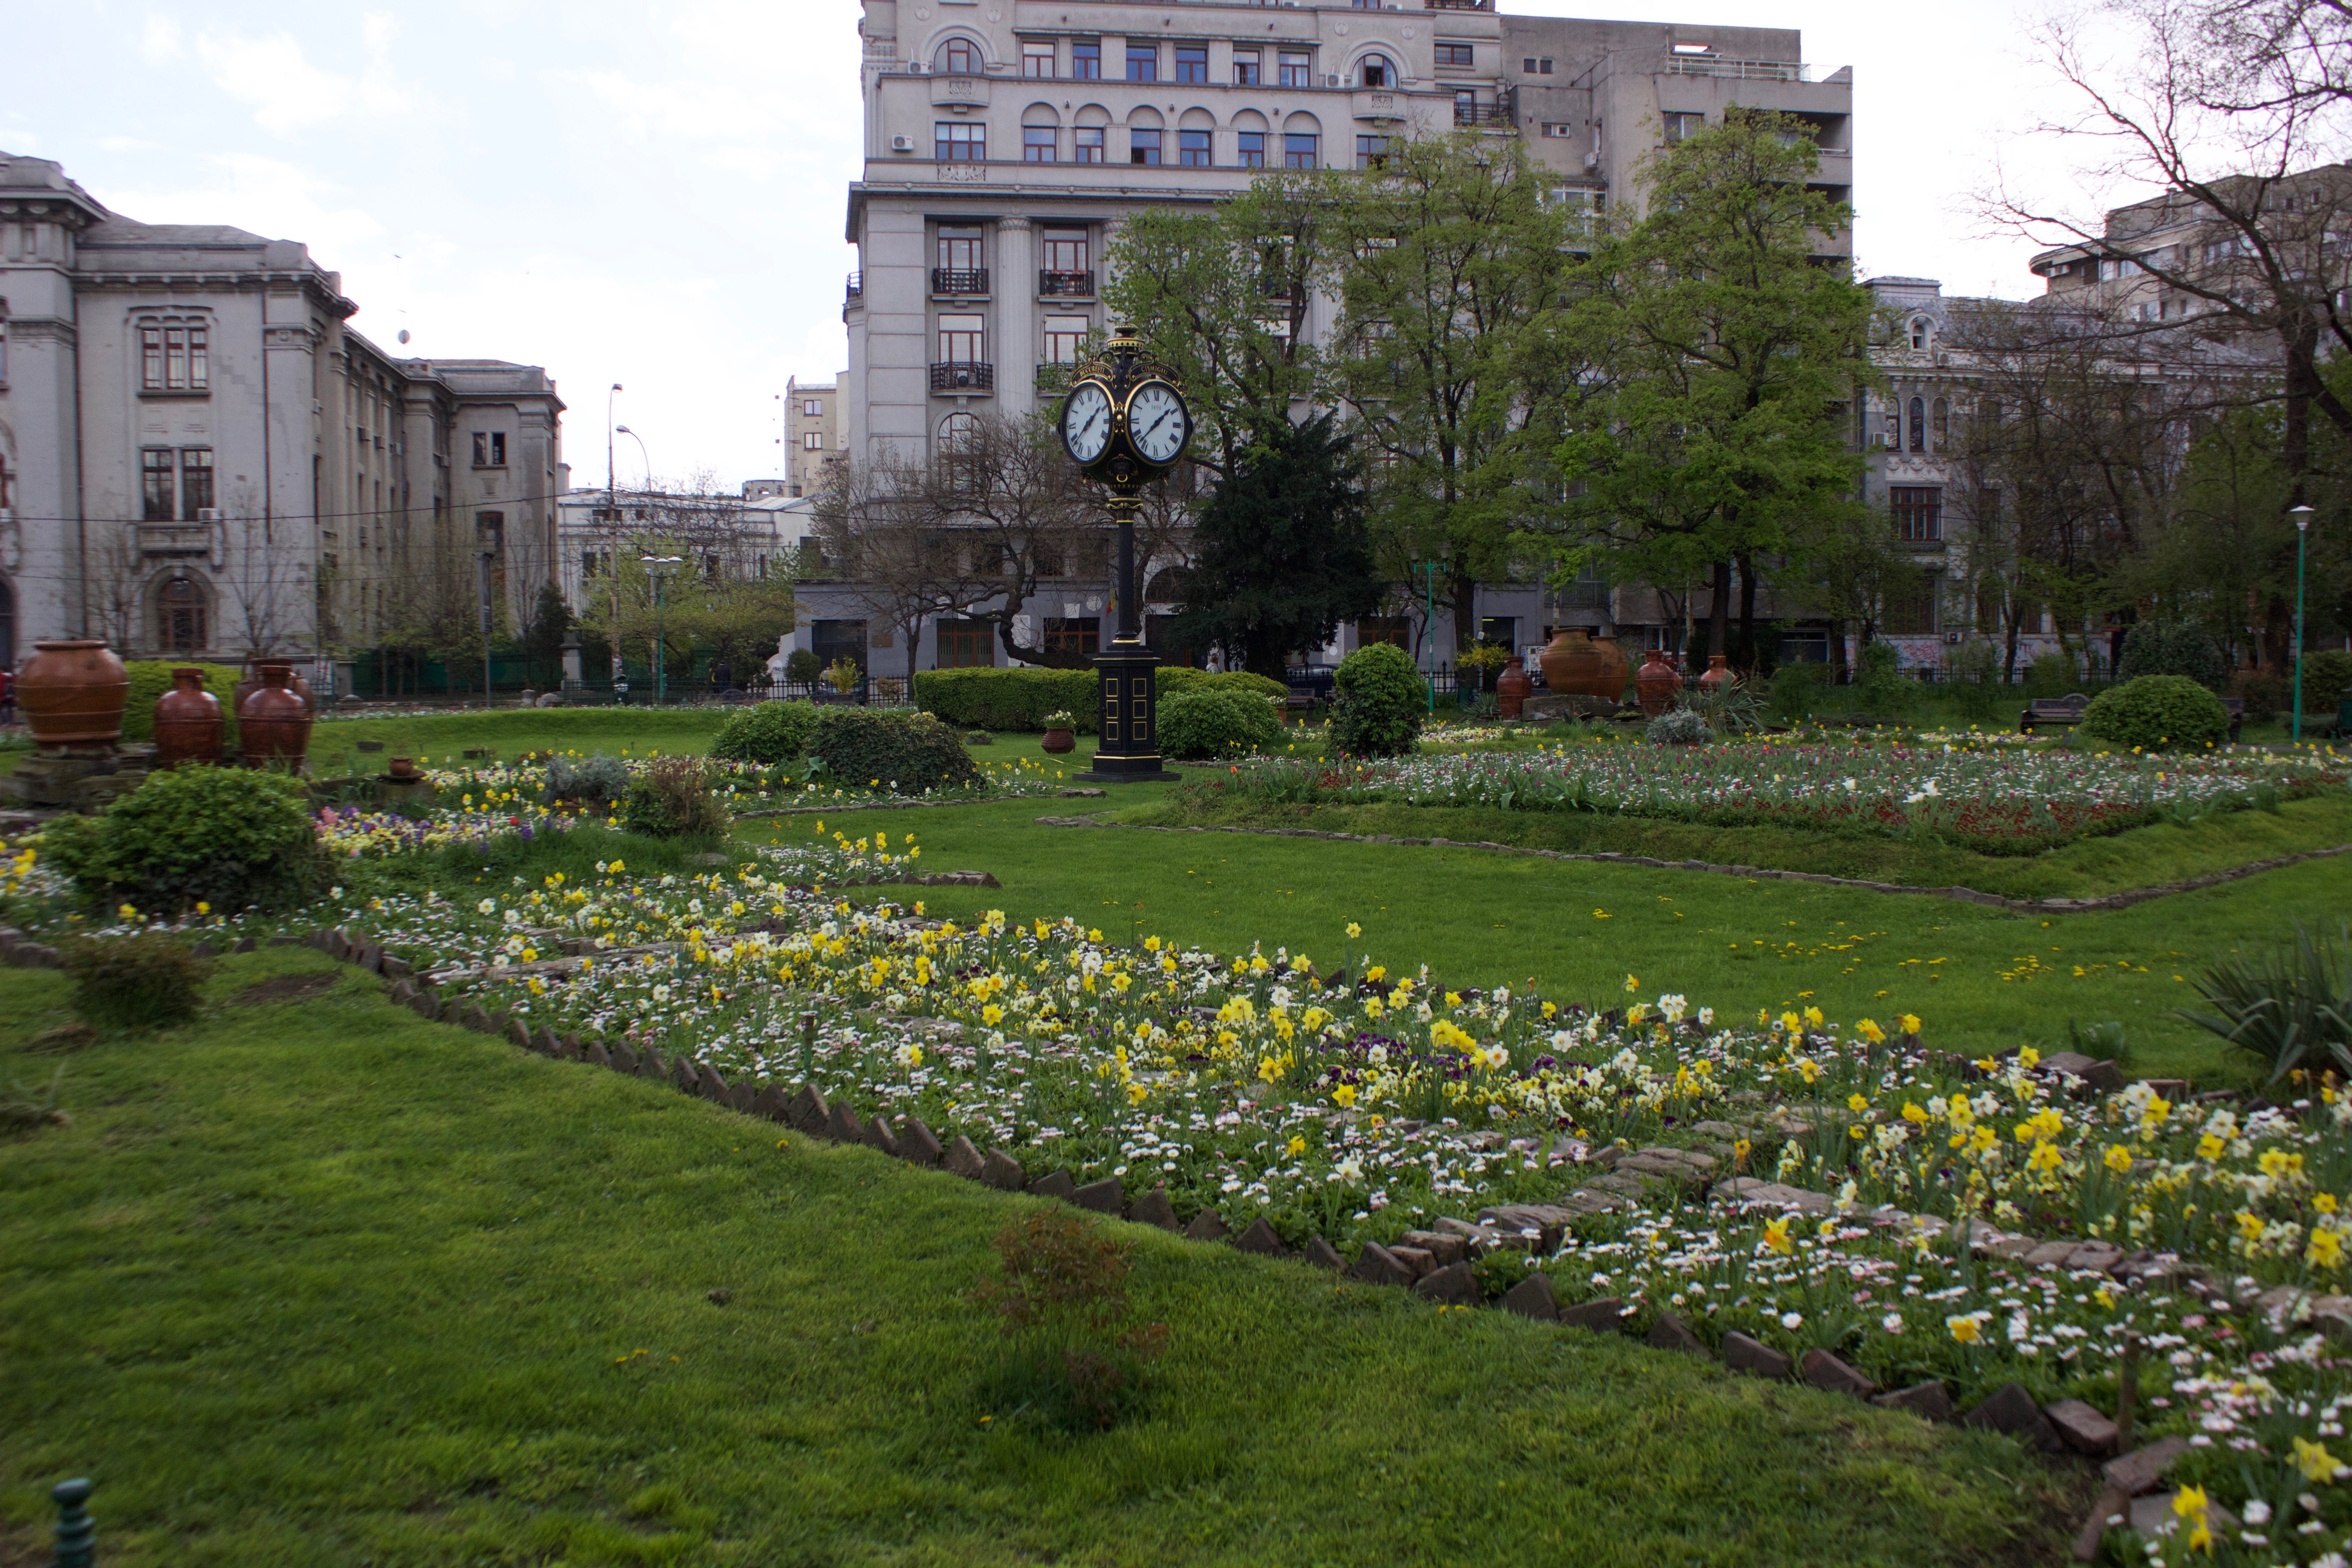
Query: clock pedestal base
x=1127, y=751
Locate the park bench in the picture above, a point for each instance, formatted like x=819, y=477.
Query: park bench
x=2064, y=712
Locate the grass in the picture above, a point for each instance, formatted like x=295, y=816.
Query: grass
x=314, y=1282
x=1984, y=979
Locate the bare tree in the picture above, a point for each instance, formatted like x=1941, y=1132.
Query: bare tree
x=882, y=540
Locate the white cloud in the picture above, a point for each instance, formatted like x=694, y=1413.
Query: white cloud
x=160, y=43
x=288, y=92
x=129, y=144
x=268, y=195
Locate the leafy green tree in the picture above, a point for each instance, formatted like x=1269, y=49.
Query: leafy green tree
x=1281, y=552
x=1727, y=348
x=543, y=640
x=1447, y=352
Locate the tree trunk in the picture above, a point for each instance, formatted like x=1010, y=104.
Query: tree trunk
x=1839, y=675
x=1718, y=615
x=1747, y=660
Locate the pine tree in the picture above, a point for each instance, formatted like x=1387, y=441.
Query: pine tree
x=1283, y=554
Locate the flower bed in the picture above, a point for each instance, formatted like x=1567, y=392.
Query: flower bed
x=1991, y=798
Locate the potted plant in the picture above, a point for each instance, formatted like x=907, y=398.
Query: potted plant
x=842, y=676
x=1058, y=735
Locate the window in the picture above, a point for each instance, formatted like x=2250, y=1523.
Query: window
x=1037, y=58
x=156, y=466
x=1192, y=149
x=1063, y=336
x=1918, y=424
x=1371, y=152
x=1066, y=251
x=1919, y=513
x=1462, y=56
x=961, y=142
x=963, y=340
x=180, y=618
x=961, y=58
x=1677, y=126
x=1557, y=129
x=1294, y=67
x=1912, y=614
x=1247, y=66
x=1086, y=144
x=959, y=247
x=1192, y=63
x=489, y=448
x=1377, y=71
x=172, y=356
x=812, y=408
x=196, y=483
x=1943, y=422
x=1143, y=146
x=490, y=530
x=1250, y=149
x=1921, y=332
x=1086, y=59
x=1073, y=634
x=1143, y=61
x=813, y=442
x=964, y=644
x=1298, y=151
x=1040, y=144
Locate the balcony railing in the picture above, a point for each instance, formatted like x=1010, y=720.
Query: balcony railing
x=1066, y=284
x=959, y=280
x=963, y=375
x=1744, y=70
x=1483, y=113
x=856, y=286
x=175, y=538
x=1459, y=4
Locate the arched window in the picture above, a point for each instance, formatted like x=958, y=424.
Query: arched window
x=1379, y=71
x=1918, y=424
x=1920, y=328
x=182, y=623
x=955, y=433
x=959, y=56
x=1943, y=422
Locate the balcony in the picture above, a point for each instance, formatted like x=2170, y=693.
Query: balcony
x=963, y=375
x=1920, y=546
x=175, y=538
x=1066, y=284
x=856, y=286
x=1740, y=70
x=1497, y=114
x=1459, y=4
x=959, y=281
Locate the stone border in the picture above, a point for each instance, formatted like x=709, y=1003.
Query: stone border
x=1966, y=894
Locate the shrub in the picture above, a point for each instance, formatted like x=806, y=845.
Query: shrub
x=1216, y=723
x=1795, y=688
x=844, y=674
x=907, y=753
x=978, y=738
x=231, y=837
x=1976, y=678
x=1020, y=698
x=802, y=666
x=2326, y=676
x=765, y=732
x=1878, y=683
x=1184, y=678
x=596, y=778
x=1380, y=701
x=149, y=678
x=1061, y=1294
x=1728, y=708
x=146, y=981
x=2156, y=712
x=2291, y=1006
x=1679, y=727
x=672, y=798
x=2150, y=648
x=2263, y=691
x=2052, y=674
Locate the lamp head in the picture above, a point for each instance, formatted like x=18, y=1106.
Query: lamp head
x=2303, y=516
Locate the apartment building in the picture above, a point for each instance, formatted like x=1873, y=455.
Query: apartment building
x=1006, y=142
x=200, y=457
x=814, y=438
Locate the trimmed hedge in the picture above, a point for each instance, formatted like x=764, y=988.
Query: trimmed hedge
x=1381, y=700
x=2158, y=712
x=1216, y=721
x=149, y=678
x=228, y=837
x=765, y=732
x=2150, y=648
x=1019, y=698
x=907, y=753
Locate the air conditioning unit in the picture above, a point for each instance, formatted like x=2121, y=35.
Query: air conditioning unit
x=902, y=144
x=208, y=514
x=1592, y=162
x=1330, y=81
x=1956, y=639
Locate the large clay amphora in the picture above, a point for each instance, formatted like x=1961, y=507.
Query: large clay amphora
x=73, y=693
x=274, y=720
x=188, y=721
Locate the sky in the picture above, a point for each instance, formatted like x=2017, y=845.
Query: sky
x=656, y=197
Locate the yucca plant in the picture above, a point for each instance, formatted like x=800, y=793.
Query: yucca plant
x=2291, y=1005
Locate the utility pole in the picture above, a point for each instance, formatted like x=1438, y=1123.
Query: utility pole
x=612, y=526
x=2303, y=516
x=655, y=565
x=483, y=558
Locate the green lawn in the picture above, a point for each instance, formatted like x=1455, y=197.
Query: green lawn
x=1982, y=978
x=317, y=1283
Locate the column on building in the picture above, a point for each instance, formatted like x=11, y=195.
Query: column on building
x=1016, y=315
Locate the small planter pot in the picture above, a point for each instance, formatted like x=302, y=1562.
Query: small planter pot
x=1718, y=672
x=403, y=769
x=1059, y=740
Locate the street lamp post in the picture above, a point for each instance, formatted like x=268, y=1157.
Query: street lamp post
x=484, y=558
x=612, y=531
x=2303, y=516
x=1427, y=572
x=654, y=568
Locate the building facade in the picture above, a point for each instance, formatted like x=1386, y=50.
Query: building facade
x=813, y=437
x=199, y=458
x=1005, y=143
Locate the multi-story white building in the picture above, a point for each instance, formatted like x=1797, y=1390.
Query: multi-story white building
x=200, y=457
x=813, y=437
x=1004, y=143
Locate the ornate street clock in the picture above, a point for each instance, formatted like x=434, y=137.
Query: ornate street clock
x=1125, y=424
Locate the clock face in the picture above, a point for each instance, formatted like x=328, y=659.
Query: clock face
x=1157, y=423
x=1085, y=422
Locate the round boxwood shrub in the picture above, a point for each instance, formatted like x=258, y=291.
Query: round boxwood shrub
x=2150, y=648
x=1679, y=727
x=2326, y=676
x=906, y=753
x=2156, y=712
x=1214, y=722
x=1381, y=700
x=149, y=678
x=671, y=797
x=230, y=837
x=765, y=732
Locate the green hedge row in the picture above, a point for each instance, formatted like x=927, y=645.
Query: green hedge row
x=149, y=678
x=1019, y=698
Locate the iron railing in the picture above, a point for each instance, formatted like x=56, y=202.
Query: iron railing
x=1066, y=284
x=963, y=375
x=856, y=286
x=959, y=280
x=1483, y=113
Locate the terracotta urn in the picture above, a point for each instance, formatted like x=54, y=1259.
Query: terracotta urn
x=73, y=693
x=1609, y=685
x=274, y=720
x=252, y=683
x=1568, y=660
x=1059, y=740
x=403, y=768
x=1718, y=672
x=1512, y=688
x=1655, y=683
x=188, y=721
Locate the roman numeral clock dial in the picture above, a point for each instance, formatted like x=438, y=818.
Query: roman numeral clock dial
x=1085, y=422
